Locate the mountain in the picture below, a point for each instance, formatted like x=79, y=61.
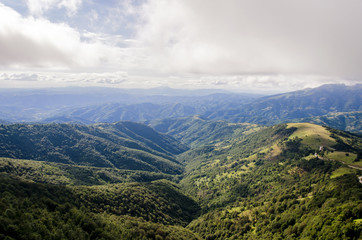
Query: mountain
x=155, y=108
x=122, y=145
x=293, y=181
x=196, y=131
x=299, y=104
x=84, y=104
x=347, y=121
x=92, y=105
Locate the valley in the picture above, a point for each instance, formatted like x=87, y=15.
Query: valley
x=183, y=177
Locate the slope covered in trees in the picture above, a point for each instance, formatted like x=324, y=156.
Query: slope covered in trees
x=278, y=183
x=197, y=131
x=123, y=211
x=122, y=145
x=70, y=174
x=288, y=181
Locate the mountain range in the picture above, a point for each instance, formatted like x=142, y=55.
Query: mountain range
x=335, y=105
x=240, y=167
x=313, y=102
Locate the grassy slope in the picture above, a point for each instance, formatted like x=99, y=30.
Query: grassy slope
x=313, y=135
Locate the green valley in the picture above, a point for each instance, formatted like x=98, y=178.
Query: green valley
x=237, y=181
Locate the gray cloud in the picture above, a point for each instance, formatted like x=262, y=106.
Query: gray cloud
x=243, y=36
x=277, y=45
x=27, y=77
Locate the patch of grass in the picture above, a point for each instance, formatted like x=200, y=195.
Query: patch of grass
x=311, y=156
x=358, y=221
x=312, y=135
x=251, y=157
x=341, y=171
x=272, y=152
x=346, y=157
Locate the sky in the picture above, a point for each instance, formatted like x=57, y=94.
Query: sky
x=238, y=45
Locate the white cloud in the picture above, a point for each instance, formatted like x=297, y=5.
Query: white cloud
x=234, y=44
x=39, y=7
x=243, y=36
x=63, y=79
x=38, y=43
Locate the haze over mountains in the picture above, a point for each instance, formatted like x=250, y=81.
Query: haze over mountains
x=91, y=105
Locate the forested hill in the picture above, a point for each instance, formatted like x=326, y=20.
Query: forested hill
x=122, y=145
x=156, y=210
x=197, y=131
x=289, y=181
x=299, y=104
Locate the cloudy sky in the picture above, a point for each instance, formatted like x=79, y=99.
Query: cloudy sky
x=241, y=45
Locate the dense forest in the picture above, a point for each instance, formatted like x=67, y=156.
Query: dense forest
x=221, y=181
x=123, y=145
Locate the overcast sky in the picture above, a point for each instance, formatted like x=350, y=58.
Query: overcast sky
x=254, y=45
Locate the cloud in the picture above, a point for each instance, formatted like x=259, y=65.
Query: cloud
x=234, y=44
x=248, y=37
x=39, y=7
x=61, y=78
x=32, y=77
x=38, y=43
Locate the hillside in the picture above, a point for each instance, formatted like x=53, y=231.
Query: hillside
x=288, y=181
x=71, y=174
x=196, y=131
x=122, y=145
x=121, y=211
x=347, y=121
x=299, y=104
x=270, y=184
